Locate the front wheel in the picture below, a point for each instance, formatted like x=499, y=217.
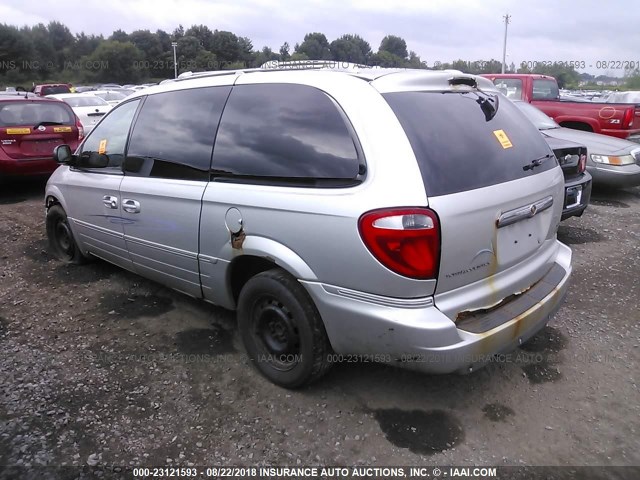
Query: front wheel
x=61, y=240
x=282, y=330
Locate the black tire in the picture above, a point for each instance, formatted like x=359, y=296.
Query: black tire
x=61, y=241
x=282, y=330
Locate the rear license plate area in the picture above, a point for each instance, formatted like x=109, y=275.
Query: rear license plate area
x=573, y=196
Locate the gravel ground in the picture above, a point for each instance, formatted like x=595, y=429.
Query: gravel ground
x=102, y=367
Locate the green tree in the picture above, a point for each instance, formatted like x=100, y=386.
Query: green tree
x=350, y=48
x=394, y=45
x=119, y=36
x=120, y=60
x=315, y=46
x=387, y=59
x=284, y=52
x=203, y=34
x=15, y=49
x=226, y=46
x=265, y=55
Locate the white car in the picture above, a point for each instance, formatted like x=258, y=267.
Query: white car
x=88, y=108
x=110, y=96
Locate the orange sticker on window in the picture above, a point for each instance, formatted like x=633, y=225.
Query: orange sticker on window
x=503, y=139
x=18, y=131
x=102, y=149
x=61, y=129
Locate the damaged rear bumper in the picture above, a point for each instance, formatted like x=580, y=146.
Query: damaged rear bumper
x=415, y=334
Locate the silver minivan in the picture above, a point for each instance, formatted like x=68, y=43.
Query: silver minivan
x=403, y=216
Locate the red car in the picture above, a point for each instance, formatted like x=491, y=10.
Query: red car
x=51, y=89
x=615, y=119
x=30, y=128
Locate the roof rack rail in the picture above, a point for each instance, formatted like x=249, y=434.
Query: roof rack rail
x=210, y=73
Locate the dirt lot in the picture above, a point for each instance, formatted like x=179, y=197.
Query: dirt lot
x=100, y=366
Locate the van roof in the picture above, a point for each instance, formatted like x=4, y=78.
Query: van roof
x=383, y=79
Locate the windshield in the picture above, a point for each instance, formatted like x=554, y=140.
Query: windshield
x=88, y=101
x=537, y=117
x=33, y=113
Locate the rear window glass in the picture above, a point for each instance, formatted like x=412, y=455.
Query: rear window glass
x=88, y=101
x=459, y=146
x=55, y=89
x=509, y=87
x=33, y=113
x=545, y=90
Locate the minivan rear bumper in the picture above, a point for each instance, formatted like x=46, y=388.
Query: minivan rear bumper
x=418, y=336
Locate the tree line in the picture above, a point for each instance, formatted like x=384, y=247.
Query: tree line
x=51, y=53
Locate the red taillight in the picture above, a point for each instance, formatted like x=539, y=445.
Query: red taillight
x=582, y=165
x=405, y=240
x=80, y=129
x=627, y=120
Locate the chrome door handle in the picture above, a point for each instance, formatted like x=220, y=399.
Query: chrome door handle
x=110, y=201
x=130, y=206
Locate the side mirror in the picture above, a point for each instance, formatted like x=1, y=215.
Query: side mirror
x=92, y=160
x=62, y=154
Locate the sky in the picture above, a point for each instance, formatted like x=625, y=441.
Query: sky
x=589, y=31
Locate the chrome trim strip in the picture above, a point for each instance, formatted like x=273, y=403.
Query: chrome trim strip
x=377, y=299
x=162, y=248
x=96, y=228
x=522, y=213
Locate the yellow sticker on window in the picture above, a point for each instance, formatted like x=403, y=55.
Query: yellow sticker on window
x=18, y=131
x=102, y=149
x=61, y=129
x=503, y=139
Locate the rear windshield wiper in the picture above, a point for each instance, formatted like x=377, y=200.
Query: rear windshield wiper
x=47, y=123
x=537, y=162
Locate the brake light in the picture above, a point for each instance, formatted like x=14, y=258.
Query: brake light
x=627, y=120
x=405, y=240
x=80, y=129
x=582, y=164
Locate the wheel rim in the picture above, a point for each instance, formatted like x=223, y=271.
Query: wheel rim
x=64, y=239
x=275, y=333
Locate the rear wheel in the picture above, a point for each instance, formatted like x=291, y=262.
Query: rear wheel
x=61, y=240
x=282, y=330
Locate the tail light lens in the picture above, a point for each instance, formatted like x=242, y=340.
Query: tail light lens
x=80, y=129
x=627, y=120
x=582, y=164
x=405, y=240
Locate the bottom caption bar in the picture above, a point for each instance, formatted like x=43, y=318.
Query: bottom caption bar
x=298, y=472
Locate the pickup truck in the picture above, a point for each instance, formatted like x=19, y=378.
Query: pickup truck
x=615, y=119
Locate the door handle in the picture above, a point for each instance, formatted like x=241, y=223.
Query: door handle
x=110, y=201
x=130, y=206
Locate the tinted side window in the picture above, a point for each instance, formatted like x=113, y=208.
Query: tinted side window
x=174, y=133
x=284, y=131
x=460, y=145
x=110, y=136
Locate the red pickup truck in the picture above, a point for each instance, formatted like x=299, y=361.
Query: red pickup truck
x=615, y=119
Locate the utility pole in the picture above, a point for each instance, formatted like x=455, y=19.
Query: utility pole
x=175, y=63
x=507, y=18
